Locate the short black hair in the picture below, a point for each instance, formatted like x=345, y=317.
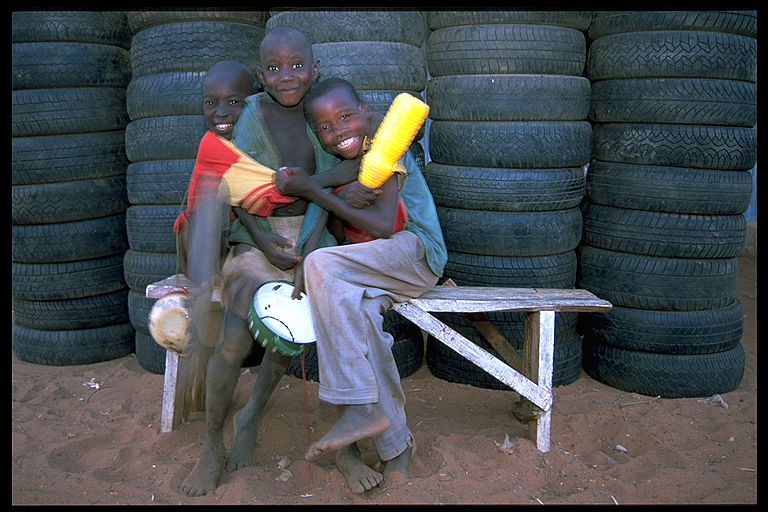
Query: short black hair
x=324, y=87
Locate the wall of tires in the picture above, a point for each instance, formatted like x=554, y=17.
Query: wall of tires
x=69, y=75
x=170, y=53
x=606, y=150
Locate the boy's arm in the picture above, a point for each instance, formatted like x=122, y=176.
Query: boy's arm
x=340, y=174
x=312, y=243
x=377, y=218
x=270, y=244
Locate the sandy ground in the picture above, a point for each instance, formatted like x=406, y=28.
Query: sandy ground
x=75, y=445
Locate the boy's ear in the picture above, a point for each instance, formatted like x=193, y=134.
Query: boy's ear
x=315, y=70
x=260, y=75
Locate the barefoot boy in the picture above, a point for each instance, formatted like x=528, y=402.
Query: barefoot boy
x=274, y=133
x=351, y=287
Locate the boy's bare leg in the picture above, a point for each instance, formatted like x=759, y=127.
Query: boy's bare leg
x=398, y=469
x=222, y=375
x=360, y=477
x=248, y=419
x=356, y=422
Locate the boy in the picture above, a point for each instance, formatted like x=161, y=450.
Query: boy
x=274, y=135
x=351, y=286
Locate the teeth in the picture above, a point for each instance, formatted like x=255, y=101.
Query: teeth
x=346, y=143
x=223, y=126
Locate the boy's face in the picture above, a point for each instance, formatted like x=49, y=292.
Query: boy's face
x=223, y=102
x=287, y=71
x=341, y=123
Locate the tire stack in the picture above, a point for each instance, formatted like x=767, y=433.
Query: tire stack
x=674, y=107
x=382, y=54
x=170, y=54
x=508, y=140
x=70, y=70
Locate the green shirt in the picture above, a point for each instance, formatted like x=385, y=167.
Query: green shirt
x=252, y=136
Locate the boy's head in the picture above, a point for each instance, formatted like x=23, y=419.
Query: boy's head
x=287, y=67
x=225, y=87
x=338, y=116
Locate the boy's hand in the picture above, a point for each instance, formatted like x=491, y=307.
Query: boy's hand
x=358, y=195
x=292, y=181
x=298, y=281
x=273, y=246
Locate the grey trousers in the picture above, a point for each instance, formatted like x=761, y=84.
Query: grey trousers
x=349, y=288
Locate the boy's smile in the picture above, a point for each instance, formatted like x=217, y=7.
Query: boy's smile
x=341, y=123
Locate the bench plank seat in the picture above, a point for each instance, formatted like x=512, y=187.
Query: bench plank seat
x=530, y=376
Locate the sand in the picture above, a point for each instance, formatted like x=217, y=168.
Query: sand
x=73, y=444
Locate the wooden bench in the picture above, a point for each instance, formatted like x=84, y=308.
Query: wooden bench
x=530, y=376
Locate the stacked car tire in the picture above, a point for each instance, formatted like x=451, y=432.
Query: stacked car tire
x=508, y=140
x=69, y=76
x=170, y=54
x=382, y=54
x=674, y=107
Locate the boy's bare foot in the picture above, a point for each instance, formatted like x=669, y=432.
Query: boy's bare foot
x=356, y=422
x=205, y=475
x=359, y=476
x=398, y=469
x=243, y=451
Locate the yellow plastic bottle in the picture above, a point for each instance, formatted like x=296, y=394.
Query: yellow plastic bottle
x=396, y=132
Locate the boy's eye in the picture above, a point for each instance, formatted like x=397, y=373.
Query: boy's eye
x=322, y=127
x=298, y=65
x=272, y=68
x=234, y=102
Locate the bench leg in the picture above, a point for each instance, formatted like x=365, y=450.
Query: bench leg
x=168, y=419
x=539, y=357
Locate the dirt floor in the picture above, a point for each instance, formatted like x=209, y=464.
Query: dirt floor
x=73, y=444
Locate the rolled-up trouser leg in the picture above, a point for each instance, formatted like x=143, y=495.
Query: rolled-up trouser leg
x=350, y=287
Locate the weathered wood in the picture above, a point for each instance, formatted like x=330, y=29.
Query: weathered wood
x=475, y=354
x=470, y=299
x=175, y=283
x=498, y=341
x=532, y=378
x=168, y=418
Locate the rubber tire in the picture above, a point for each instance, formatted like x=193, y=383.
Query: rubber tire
x=64, y=110
x=194, y=46
x=510, y=233
x=492, y=97
x=664, y=375
x=157, y=182
x=667, y=332
x=374, y=65
x=68, y=280
x=674, y=100
x=58, y=158
x=579, y=20
x=72, y=347
x=83, y=313
x=68, y=64
x=669, y=189
x=503, y=189
x=550, y=271
x=69, y=241
x=68, y=201
x=164, y=138
x=673, y=54
x=735, y=22
x=506, y=49
x=150, y=227
x=678, y=145
x=327, y=26
x=73, y=26
x=651, y=282
x=667, y=235
x=511, y=144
